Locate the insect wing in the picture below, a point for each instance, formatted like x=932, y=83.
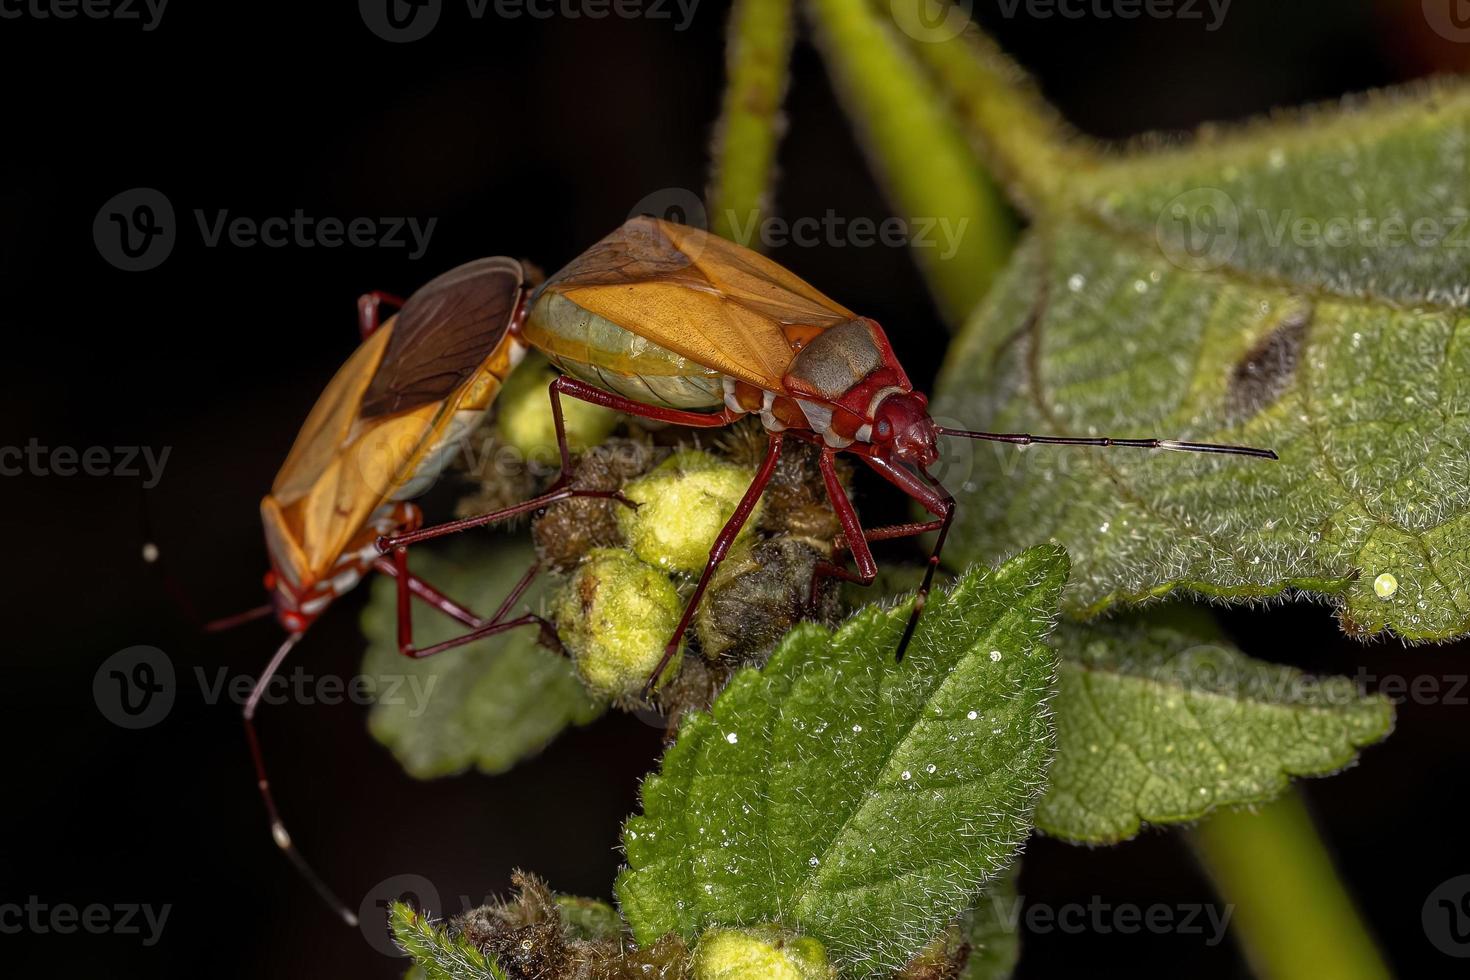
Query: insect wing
x=443, y=335
x=391, y=409
x=710, y=300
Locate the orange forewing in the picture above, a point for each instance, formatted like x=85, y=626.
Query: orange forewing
x=719, y=304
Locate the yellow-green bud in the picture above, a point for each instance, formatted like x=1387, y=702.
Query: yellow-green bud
x=762, y=953
x=524, y=422
x=683, y=504
x=614, y=616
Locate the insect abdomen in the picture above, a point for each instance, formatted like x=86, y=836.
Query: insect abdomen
x=600, y=352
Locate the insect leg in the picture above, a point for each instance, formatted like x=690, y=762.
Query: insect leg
x=583, y=391
x=481, y=629
x=368, y=314
x=262, y=781
x=717, y=553
x=937, y=501
x=852, y=531
x=389, y=542
x=448, y=606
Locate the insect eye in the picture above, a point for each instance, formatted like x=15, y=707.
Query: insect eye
x=883, y=430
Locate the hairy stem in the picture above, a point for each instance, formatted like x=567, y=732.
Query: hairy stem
x=958, y=224
x=743, y=169
x=1021, y=138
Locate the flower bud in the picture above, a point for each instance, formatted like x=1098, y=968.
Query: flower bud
x=761, y=953
x=683, y=504
x=524, y=421
x=614, y=616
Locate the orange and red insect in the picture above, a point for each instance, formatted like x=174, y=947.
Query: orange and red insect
x=657, y=320
x=671, y=323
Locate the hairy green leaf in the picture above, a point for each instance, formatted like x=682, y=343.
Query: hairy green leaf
x=993, y=931
x=436, y=954
x=1159, y=720
x=1299, y=286
x=852, y=798
x=488, y=704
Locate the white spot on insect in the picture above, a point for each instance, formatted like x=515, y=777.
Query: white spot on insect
x=995, y=656
x=1385, y=585
x=856, y=729
x=732, y=738
x=906, y=775
x=1076, y=282
x=973, y=715
x=150, y=552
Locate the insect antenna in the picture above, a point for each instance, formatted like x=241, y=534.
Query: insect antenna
x=278, y=828
x=922, y=596
x=239, y=619
x=1175, y=445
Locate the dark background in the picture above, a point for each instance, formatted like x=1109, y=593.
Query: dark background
x=526, y=137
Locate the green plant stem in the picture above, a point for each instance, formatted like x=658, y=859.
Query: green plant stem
x=919, y=153
x=1018, y=134
x=1291, y=913
x=743, y=169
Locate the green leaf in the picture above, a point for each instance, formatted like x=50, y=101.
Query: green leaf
x=960, y=227
x=489, y=704
x=993, y=930
x=1174, y=293
x=437, y=954
x=743, y=171
x=1159, y=720
x=851, y=798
